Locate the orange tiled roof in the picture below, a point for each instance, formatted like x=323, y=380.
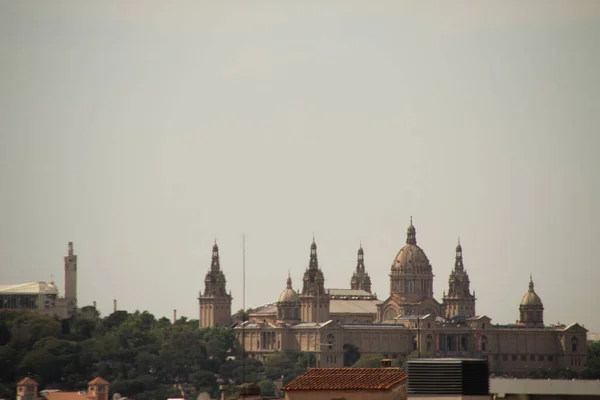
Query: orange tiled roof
x=98, y=381
x=26, y=381
x=347, y=379
x=69, y=396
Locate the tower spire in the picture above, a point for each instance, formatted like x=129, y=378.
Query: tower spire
x=458, y=262
x=531, y=282
x=215, y=263
x=313, y=262
x=411, y=233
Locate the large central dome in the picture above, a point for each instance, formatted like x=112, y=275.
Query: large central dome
x=411, y=256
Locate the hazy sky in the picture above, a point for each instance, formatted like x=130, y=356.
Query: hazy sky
x=143, y=130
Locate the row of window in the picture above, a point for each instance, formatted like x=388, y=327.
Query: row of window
x=523, y=357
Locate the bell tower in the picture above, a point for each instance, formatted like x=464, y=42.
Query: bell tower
x=27, y=389
x=215, y=303
x=314, y=301
x=360, y=278
x=71, y=278
x=459, y=301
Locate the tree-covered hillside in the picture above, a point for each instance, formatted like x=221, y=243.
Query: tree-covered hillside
x=153, y=358
x=137, y=353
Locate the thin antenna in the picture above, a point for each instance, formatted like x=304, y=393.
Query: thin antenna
x=243, y=308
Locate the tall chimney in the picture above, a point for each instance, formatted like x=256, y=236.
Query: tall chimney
x=115, y=305
x=174, y=315
x=94, y=304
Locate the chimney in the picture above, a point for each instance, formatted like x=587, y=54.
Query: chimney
x=94, y=304
x=386, y=363
x=174, y=315
x=223, y=389
x=115, y=305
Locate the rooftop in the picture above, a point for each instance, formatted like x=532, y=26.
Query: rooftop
x=29, y=288
x=353, y=306
x=347, y=379
x=350, y=294
x=545, y=386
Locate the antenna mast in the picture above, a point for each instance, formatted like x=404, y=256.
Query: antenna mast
x=243, y=308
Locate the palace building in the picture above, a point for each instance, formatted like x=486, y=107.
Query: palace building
x=322, y=321
x=43, y=297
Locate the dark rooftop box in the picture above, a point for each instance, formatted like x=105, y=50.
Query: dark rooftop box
x=450, y=376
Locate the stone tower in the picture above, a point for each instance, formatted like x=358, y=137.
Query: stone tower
x=314, y=301
x=459, y=301
x=27, y=389
x=360, y=278
x=411, y=275
x=215, y=303
x=531, y=310
x=71, y=279
x=99, y=387
x=288, y=305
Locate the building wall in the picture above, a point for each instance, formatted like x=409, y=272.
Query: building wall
x=398, y=393
x=215, y=311
x=513, y=351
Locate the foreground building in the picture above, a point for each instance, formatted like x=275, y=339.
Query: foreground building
x=385, y=383
x=44, y=297
x=98, y=389
x=321, y=320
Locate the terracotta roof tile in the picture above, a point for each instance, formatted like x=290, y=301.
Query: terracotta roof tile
x=26, y=381
x=98, y=381
x=69, y=396
x=347, y=379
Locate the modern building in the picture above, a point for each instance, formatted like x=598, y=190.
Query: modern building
x=321, y=320
x=44, y=297
x=546, y=389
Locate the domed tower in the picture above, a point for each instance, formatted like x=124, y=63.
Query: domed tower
x=411, y=276
x=531, y=310
x=215, y=303
x=288, y=305
x=360, y=278
x=459, y=301
x=314, y=301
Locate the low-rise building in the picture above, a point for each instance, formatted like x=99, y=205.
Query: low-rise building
x=349, y=384
x=27, y=389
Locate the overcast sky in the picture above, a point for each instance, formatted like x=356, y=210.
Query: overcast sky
x=143, y=130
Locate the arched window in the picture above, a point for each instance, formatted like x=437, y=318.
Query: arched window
x=390, y=314
x=429, y=342
x=415, y=342
x=484, y=343
x=574, y=343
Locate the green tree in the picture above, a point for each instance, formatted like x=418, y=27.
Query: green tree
x=351, y=354
x=267, y=387
x=28, y=328
x=592, y=364
x=369, y=361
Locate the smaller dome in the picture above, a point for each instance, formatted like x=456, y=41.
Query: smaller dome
x=531, y=298
x=288, y=295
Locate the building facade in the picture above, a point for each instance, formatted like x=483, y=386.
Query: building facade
x=320, y=320
x=44, y=297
